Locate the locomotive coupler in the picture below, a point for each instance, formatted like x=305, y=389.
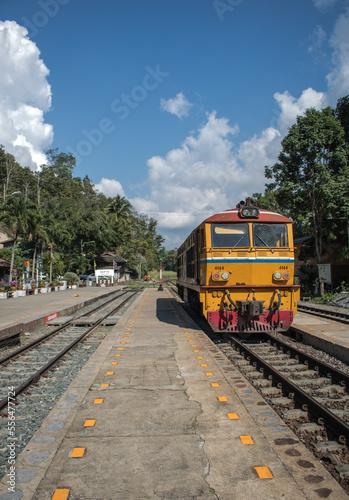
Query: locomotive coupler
x=250, y=307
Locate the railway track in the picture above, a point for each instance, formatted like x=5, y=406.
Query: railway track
x=24, y=366
x=311, y=396
x=329, y=312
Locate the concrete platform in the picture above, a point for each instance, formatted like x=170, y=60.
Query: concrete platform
x=159, y=412
x=22, y=314
x=329, y=335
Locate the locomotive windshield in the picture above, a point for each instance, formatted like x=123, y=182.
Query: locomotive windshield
x=230, y=235
x=270, y=235
x=237, y=235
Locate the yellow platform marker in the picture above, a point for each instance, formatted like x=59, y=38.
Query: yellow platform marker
x=200, y=357
x=116, y=355
x=222, y=398
x=98, y=401
x=209, y=374
x=196, y=350
x=114, y=362
x=233, y=416
x=121, y=348
x=263, y=472
x=77, y=453
x=61, y=494
x=104, y=385
x=89, y=423
x=246, y=440
x=125, y=337
x=122, y=342
x=204, y=364
x=110, y=373
x=215, y=384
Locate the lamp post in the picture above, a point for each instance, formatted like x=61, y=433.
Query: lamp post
x=160, y=286
x=83, y=243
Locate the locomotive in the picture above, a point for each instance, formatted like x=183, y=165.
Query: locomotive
x=237, y=269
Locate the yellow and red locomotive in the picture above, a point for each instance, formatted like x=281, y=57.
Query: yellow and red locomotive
x=237, y=269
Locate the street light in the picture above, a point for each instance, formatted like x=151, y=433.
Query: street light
x=8, y=195
x=83, y=243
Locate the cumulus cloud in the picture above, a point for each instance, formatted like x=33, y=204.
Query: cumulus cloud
x=109, y=187
x=338, y=78
x=291, y=107
x=178, y=105
x=25, y=95
x=195, y=179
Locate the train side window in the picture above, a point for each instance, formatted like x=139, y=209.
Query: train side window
x=270, y=235
x=230, y=235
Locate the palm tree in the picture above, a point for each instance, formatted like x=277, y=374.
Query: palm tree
x=16, y=217
x=119, y=207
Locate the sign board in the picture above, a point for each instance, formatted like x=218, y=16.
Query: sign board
x=104, y=273
x=50, y=317
x=108, y=273
x=324, y=271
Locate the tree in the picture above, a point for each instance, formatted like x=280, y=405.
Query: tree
x=120, y=208
x=342, y=113
x=311, y=177
x=16, y=217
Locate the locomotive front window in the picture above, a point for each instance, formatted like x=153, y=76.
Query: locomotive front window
x=270, y=235
x=230, y=235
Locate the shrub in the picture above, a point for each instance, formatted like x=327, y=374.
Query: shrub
x=71, y=277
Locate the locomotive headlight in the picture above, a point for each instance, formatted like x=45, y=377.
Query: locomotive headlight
x=216, y=276
x=277, y=275
x=225, y=275
x=286, y=276
x=249, y=212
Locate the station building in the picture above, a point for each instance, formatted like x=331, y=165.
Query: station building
x=110, y=267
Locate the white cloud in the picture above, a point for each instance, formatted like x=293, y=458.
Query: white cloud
x=338, y=79
x=109, y=187
x=178, y=105
x=194, y=180
x=291, y=107
x=25, y=95
x=316, y=39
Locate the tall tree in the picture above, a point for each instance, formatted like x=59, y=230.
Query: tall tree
x=16, y=216
x=311, y=176
x=119, y=208
x=342, y=113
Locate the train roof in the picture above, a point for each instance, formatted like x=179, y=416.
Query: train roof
x=234, y=215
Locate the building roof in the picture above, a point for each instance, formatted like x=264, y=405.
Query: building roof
x=109, y=257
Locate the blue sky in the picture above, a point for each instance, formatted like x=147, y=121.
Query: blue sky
x=175, y=105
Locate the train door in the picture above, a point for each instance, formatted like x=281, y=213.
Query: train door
x=197, y=256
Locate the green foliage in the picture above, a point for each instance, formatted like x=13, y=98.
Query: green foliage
x=310, y=182
x=169, y=262
x=71, y=277
x=52, y=213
